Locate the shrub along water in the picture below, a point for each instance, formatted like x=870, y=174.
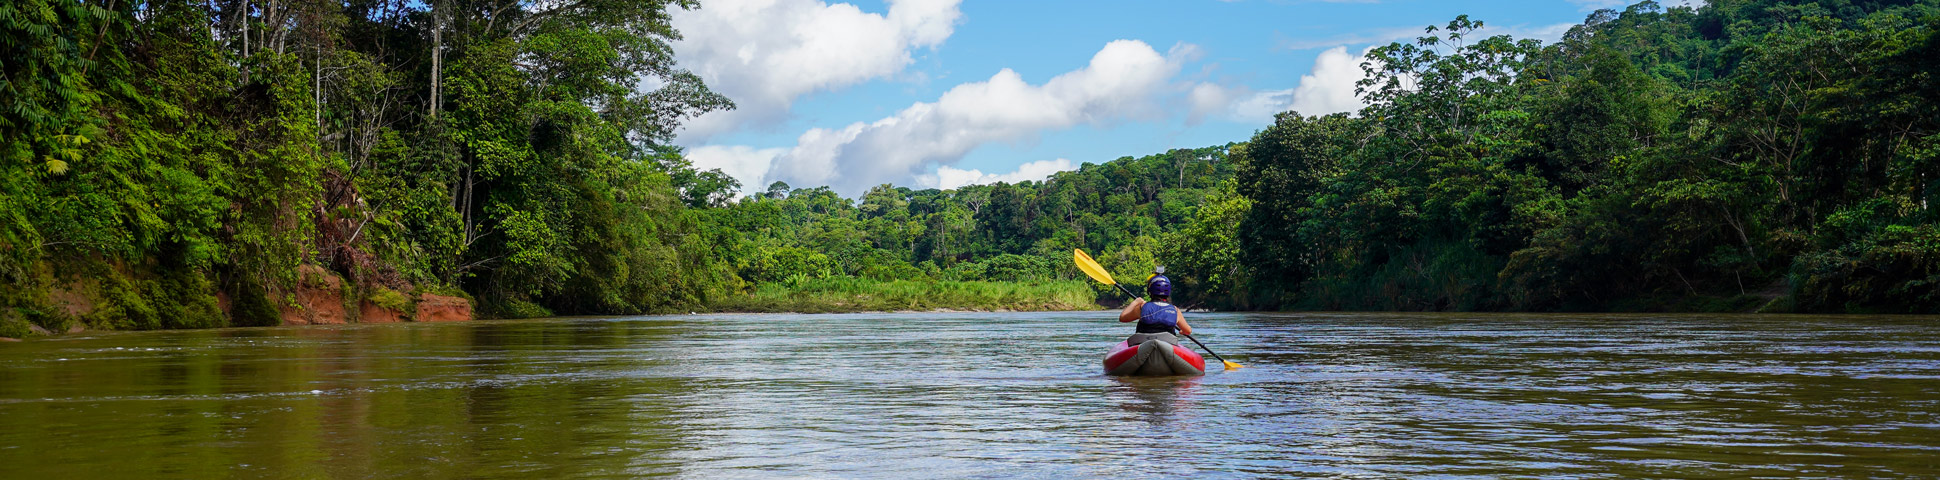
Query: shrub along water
x=850, y=294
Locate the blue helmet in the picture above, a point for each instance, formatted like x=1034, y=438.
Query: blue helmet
x=1158, y=286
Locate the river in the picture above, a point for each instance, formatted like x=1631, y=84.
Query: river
x=983, y=395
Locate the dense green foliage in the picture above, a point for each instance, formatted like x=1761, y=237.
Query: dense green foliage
x=1003, y=232
x=162, y=155
x=174, y=163
x=852, y=294
x=1740, y=156
x=1714, y=158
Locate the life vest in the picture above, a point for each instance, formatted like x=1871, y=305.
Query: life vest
x=1156, y=317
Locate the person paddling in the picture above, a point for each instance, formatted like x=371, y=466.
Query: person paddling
x=1157, y=319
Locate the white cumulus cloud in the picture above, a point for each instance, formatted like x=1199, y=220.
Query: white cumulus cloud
x=949, y=178
x=747, y=165
x=1124, y=80
x=1209, y=99
x=1329, y=88
x=764, y=54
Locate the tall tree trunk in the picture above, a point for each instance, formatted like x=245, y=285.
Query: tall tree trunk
x=243, y=23
x=471, y=230
x=437, y=54
x=318, y=89
x=273, y=24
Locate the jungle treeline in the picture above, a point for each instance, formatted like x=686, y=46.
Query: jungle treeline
x=1748, y=155
x=178, y=161
x=1745, y=155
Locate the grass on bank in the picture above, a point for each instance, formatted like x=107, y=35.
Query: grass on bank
x=852, y=294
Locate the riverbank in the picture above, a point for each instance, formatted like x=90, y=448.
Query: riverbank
x=322, y=297
x=125, y=299
x=849, y=295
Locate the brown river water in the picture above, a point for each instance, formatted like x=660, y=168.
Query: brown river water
x=983, y=395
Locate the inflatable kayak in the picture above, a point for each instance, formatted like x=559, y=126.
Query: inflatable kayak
x=1153, y=358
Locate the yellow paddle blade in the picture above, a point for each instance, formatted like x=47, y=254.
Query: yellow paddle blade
x=1233, y=366
x=1091, y=267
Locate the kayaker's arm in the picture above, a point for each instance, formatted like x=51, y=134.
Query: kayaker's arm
x=1183, y=328
x=1131, y=312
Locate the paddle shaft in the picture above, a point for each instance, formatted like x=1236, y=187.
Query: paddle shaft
x=1202, y=346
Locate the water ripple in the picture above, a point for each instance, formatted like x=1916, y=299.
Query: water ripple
x=984, y=396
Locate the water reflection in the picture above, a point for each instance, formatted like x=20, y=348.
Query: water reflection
x=982, y=395
x=1158, y=400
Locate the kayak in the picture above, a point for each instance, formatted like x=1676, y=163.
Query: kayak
x=1154, y=358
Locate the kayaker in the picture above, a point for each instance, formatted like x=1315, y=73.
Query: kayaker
x=1158, y=318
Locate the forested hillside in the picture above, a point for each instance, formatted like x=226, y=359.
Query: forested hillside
x=173, y=161
x=894, y=247
x=176, y=163
x=1119, y=210
x=1748, y=154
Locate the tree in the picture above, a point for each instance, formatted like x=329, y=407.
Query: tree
x=1281, y=171
x=777, y=190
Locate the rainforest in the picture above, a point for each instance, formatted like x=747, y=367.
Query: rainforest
x=206, y=164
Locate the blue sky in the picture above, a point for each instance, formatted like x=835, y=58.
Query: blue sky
x=942, y=93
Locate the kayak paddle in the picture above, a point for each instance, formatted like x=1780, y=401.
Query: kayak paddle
x=1097, y=272
x=1229, y=363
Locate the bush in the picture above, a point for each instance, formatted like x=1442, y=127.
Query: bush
x=512, y=308
x=852, y=294
x=778, y=264
x=1893, y=270
x=12, y=326
x=894, y=271
x=1016, y=268
x=250, y=305
x=964, y=271
x=390, y=299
